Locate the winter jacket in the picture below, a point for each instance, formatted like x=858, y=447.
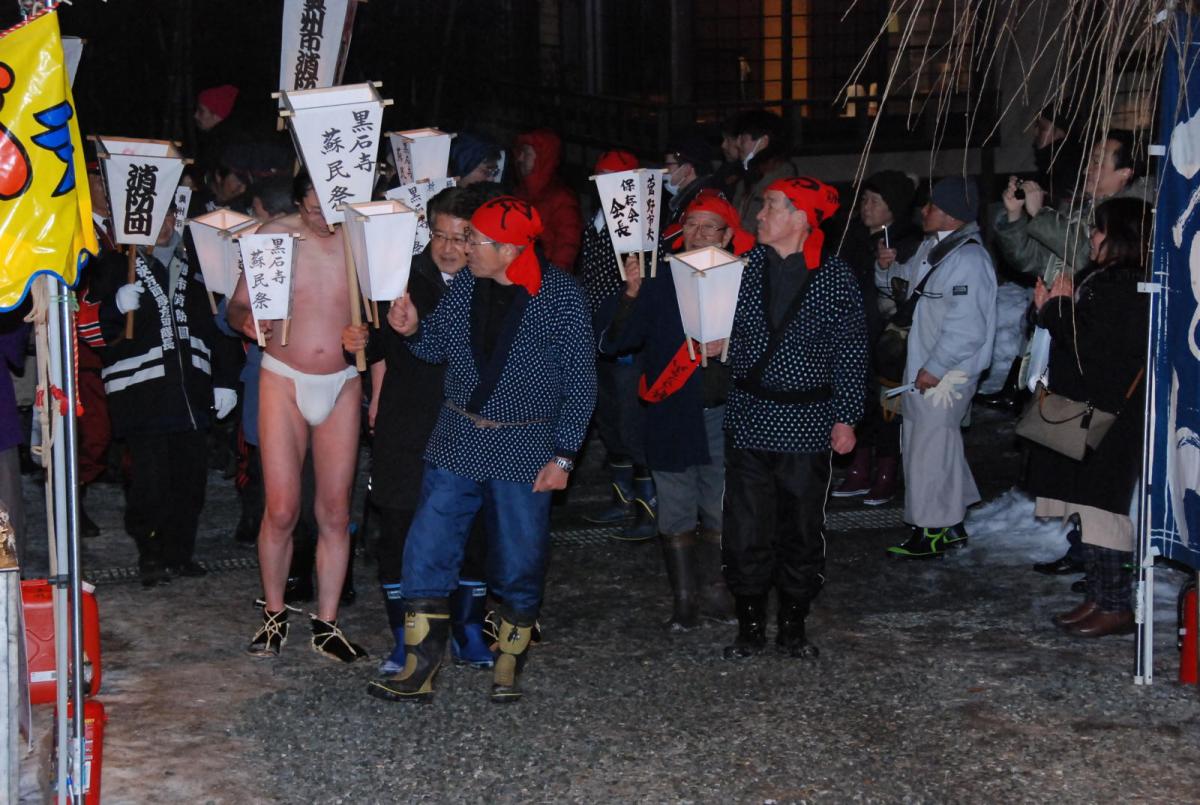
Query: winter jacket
x=859, y=249
x=1056, y=240
x=540, y=380
x=1104, y=332
x=557, y=204
x=822, y=355
x=955, y=321
x=161, y=380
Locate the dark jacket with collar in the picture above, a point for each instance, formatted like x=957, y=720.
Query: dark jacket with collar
x=822, y=345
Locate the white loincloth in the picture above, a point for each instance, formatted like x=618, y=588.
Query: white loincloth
x=315, y=394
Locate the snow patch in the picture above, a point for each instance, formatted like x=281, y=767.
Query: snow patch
x=1012, y=301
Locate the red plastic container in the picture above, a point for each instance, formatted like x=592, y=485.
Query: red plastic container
x=37, y=597
x=1188, y=660
x=94, y=719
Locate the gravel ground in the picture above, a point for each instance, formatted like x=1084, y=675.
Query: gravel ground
x=939, y=681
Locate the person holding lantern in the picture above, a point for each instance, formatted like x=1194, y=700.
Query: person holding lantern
x=798, y=353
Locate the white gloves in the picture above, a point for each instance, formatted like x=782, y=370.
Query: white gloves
x=223, y=400
x=943, y=393
x=129, y=297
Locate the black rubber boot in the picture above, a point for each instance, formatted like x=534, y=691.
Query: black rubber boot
x=426, y=630
x=752, y=628
x=512, y=647
x=679, y=556
x=716, y=602
x=645, y=511
x=790, y=638
x=621, y=508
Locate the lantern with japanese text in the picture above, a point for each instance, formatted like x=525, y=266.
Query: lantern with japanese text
x=140, y=177
x=268, y=261
x=631, y=201
x=416, y=197
x=420, y=154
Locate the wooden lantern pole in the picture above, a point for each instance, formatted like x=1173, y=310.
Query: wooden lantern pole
x=360, y=357
x=132, y=278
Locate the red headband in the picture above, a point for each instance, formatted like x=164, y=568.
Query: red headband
x=710, y=200
x=816, y=200
x=616, y=161
x=510, y=220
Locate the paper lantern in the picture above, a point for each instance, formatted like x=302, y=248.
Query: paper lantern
x=420, y=154
x=269, y=261
x=218, y=253
x=706, y=284
x=416, y=197
x=381, y=236
x=631, y=201
x=336, y=131
x=140, y=177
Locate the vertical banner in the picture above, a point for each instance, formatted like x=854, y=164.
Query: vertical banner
x=268, y=262
x=420, y=154
x=1173, y=426
x=140, y=177
x=315, y=39
x=416, y=197
x=45, y=214
x=183, y=203
x=219, y=255
x=336, y=132
x=381, y=238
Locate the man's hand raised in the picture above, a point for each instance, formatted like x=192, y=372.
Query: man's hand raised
x=402, y=316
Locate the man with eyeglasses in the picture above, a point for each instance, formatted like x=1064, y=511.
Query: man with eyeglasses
x=405, y=401
x=685, y=408
x=307, y=390
x=515, y=335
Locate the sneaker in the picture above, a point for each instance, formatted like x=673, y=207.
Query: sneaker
x=329, y=640
x=271, y=636
x=925, y=543
x=956, y=536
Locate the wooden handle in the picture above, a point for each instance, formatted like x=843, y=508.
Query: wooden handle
x=131, y=278
x=287, y=328
x=360, y=357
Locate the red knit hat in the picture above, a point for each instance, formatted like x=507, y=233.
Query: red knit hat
x=219, y=100
x=710, y=200
x=508, y=219
x=616, y=161
x=818, y=201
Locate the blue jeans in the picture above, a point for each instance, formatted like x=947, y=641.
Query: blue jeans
x=518, y=531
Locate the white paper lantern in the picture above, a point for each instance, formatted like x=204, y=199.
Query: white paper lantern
x=218, y=253
x=416, y=197
x=269, y=262
x=631, y=202
x=381, y=237
x=420, y=154
x=706, y=284
x=336, y=131
x=140, y=177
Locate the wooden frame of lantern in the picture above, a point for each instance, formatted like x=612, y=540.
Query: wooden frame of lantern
x=381, y=235
x=158, y=164
x=220, y=257
x=247, y=243
x=420, y=154
x=707, y=282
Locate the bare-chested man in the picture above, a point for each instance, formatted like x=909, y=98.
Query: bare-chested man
x=306, y=389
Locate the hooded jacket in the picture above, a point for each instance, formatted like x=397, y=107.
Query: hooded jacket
x=556, y=203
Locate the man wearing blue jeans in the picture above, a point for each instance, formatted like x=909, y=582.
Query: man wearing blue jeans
x=515, y=336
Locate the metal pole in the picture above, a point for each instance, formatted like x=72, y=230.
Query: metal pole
x=63, y=311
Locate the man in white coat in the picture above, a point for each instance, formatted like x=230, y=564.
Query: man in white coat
x=952, y=285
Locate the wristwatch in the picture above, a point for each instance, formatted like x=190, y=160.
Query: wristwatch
x=564, y=464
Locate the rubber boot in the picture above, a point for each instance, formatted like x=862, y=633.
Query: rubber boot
x=151, y=567
x=1008, y=397
x=679, y=553
x=512, y=645
x=621, y=507
x=790, y=638
x=467, y=642
x=393, y=605
x=858, y=477
x=751, y=636
x=645, y=504
x=716, y=602
x=426, y=630
x=884, y=487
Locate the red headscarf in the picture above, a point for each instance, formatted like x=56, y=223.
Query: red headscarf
x=709, y=200
x=510, y=220
x=616, y=161
x=818, y=201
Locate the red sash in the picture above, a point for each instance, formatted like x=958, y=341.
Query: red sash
x=673, y=377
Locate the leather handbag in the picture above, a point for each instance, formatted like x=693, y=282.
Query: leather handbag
x=1067, y=426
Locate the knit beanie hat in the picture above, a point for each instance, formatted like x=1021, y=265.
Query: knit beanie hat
x=219, y=100
x=957, y=197
x=896, y=189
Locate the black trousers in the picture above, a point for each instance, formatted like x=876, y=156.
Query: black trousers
x=619, y=410
x=168, y=472
x=393, y=533
x=774, y=522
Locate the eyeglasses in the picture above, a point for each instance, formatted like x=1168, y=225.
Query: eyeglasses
x=707, y=230
x=481, y=243
x=458, y=240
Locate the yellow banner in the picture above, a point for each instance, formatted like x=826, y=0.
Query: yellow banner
x=45, y=209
